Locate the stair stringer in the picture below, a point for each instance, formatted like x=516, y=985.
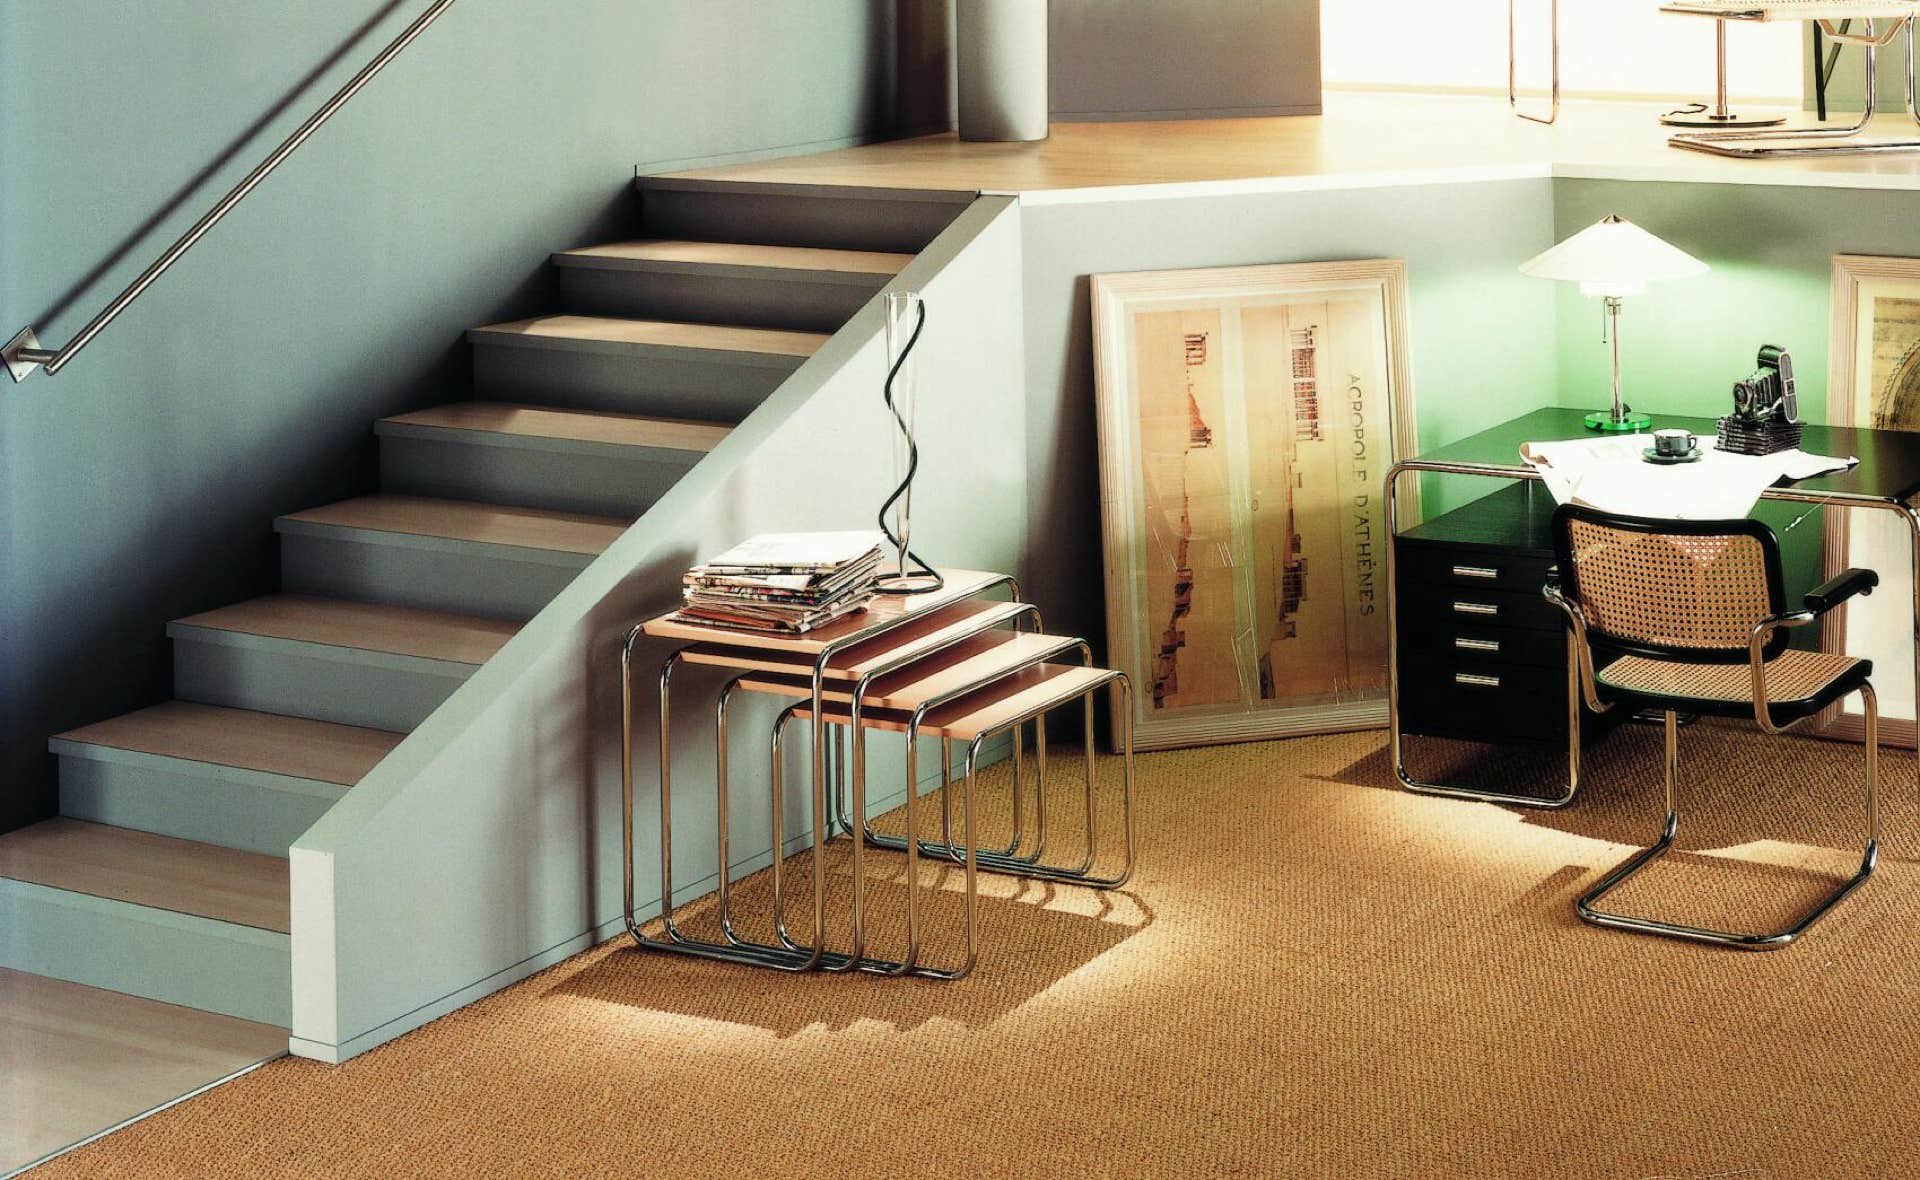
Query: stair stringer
x=486, y=846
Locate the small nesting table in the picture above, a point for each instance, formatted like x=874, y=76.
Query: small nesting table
x=958, y=664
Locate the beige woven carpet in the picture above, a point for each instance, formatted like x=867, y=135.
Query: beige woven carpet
x=1312, y=974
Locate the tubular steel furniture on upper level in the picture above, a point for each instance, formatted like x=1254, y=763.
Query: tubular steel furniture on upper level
x=24, y=353
x=942, y=664
x=1689, y=616
x=1881, y=22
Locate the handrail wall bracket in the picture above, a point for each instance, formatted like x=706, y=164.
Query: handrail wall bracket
x=23, y=354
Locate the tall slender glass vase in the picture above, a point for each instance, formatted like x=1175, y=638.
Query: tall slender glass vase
x=906, y=315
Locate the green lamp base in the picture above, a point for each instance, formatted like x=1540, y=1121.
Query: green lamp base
x=1628, y=422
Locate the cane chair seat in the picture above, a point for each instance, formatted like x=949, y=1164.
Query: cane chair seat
x=1799, y=684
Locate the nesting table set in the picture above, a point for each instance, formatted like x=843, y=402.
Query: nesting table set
x=964, y=664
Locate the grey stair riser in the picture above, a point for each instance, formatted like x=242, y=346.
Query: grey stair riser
x=345, y=691
x=462, y=580
x=716, y=299
x=142, y=951
x=224, y=805
x=737, y=214
x=623, y=383
x=449, y=467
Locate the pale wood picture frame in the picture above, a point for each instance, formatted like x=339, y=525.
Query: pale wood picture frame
x=1257, y=569
x=1882, y=295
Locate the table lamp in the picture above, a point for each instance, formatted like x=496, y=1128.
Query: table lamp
x=1614, y=258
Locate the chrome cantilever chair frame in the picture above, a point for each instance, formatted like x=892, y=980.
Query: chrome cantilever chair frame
x=676, y=940
x=1763, y=635
x=1753, y=143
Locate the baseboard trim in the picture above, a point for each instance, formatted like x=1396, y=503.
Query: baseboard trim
x=334, y=1054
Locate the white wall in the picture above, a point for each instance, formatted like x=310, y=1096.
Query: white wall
x=1611, y=47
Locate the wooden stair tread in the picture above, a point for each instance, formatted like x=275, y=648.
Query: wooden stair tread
x=741, y=254
x=540, y=422
x=999, y=704
x=338, y=622
x=662, y=333
x=971, y=661
x=297, y=747
x=490, y=524
x=224, y=884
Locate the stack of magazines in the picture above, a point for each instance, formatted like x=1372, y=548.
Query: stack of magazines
x=784, y=582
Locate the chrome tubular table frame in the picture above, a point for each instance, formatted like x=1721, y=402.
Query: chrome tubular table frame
x=967, y=854
x=676, y=941
x=856, y=957
x=1767, y=143
x=1010, y=860
x=1908, y=514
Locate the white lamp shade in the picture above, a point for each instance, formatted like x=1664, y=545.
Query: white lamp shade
x=1613, y=257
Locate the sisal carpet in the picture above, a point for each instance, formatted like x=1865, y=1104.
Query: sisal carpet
x=1312, y=974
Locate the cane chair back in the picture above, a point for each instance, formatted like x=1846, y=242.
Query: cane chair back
x=1672, y=589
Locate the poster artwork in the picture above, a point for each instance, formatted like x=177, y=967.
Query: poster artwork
x=1264, y=427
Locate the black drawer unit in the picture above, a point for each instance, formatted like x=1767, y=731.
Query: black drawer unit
x=1483, y=657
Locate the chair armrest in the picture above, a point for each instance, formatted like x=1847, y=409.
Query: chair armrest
x=1580, y=652
x=1832, y=593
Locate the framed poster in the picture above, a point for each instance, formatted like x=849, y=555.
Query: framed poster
x=1874, y=380
x=1248, y=417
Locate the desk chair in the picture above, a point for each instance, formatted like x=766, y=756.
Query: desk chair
x=1688, y=616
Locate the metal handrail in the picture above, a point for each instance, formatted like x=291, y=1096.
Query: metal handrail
x=23, y=354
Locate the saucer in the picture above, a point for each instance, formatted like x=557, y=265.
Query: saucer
x=1694, y=456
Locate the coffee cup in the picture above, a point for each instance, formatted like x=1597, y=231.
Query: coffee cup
x=1673, y=444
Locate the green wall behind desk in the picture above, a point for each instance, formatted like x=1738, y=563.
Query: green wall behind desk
x=1769, y=250
x=141, y=483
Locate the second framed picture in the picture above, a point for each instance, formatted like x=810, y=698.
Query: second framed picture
x=1874, y=380
x=1248, y=417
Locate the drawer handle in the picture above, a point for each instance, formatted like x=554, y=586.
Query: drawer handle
x=1486, y=572
x=1476, y=680
x=1476, y=608
x=1465, y=644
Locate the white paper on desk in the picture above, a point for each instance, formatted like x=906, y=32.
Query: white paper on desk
x=1612, y=475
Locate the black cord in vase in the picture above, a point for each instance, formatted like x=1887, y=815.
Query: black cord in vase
x=926, y=574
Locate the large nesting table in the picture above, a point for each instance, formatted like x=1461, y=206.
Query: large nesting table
x=957, y=664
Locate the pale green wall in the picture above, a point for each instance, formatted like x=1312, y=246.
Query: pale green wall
x=1770, y=251
x=140, y=484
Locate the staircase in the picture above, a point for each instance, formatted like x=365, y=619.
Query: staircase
x=165, y=876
